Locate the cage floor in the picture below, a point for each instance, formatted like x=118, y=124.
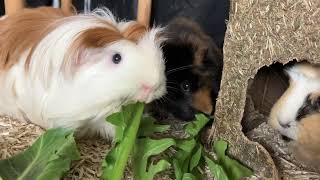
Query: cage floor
x=16, y=136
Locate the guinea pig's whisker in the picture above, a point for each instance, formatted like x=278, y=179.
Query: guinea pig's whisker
x=178, y=69
x=174, y=83
x=167, y=99
x=171, y=87
x=159, y=102
x=164, y=100
x=174, y=89
x=170, y=97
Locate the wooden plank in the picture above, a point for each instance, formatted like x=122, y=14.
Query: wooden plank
x=144, y=12
x=13, y=6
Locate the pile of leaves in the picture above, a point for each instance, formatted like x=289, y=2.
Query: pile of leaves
x=50, y=156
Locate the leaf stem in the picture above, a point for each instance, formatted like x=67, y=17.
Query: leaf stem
x=126, y=145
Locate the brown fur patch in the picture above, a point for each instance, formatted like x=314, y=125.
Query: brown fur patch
x=22, y=30
x=198, y=39
x=134, y=32
x=201, y=43
x=199, y=54
x=202, y=100
x=100, y=37
x=308, y=144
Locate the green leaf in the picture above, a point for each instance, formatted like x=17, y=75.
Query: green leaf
x=154, y=169
x=194, y=161
x=233, y=168
x=194, y=127
x=148, y=127
x=121, y=120
x=117, y=120
x=177, y=169
x=188, y=176
x=128, y=121
x=186, y=145
x=216, y=170
x=181, y=159
x=196, y=173
x=145, y=148
x=48, y=158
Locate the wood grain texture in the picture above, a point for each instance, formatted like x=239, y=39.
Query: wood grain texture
x=144, y=12
x=13, y=6
x=260, y=33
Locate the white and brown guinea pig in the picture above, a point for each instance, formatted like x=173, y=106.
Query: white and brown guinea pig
x=73, y=71
x=296, y=114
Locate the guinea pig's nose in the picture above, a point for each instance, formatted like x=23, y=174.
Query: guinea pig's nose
x=145, y=92
x=146, y=89
x=285, y=125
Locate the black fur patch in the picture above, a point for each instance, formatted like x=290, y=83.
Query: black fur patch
x=308, y=108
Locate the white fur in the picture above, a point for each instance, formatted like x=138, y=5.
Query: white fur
x=3, y=17
x=285, y=113
x=46, y=97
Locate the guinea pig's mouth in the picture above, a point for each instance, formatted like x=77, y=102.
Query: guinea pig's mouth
x=144, y=98
x=289, y=131
x=148, y=94
x=286, y=138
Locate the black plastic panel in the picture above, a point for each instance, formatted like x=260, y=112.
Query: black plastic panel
x=210, y=14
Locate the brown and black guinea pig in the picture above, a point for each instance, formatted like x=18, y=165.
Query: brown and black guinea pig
x=193, y=71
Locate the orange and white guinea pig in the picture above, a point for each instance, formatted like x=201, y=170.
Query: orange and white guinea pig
x=67, y=71
x=296, y=114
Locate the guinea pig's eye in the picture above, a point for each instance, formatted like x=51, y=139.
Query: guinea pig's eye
x=318, y=102
x=116, y=58
x=185, y=86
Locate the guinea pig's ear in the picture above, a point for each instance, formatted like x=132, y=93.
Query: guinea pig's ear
x=90, y=42
x=79, y=57
x=73, y=60
x=86, y=56
x=83, y=56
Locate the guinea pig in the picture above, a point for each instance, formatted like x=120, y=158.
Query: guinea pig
x=193, y=71
x=73, y=71
x=296, y=114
